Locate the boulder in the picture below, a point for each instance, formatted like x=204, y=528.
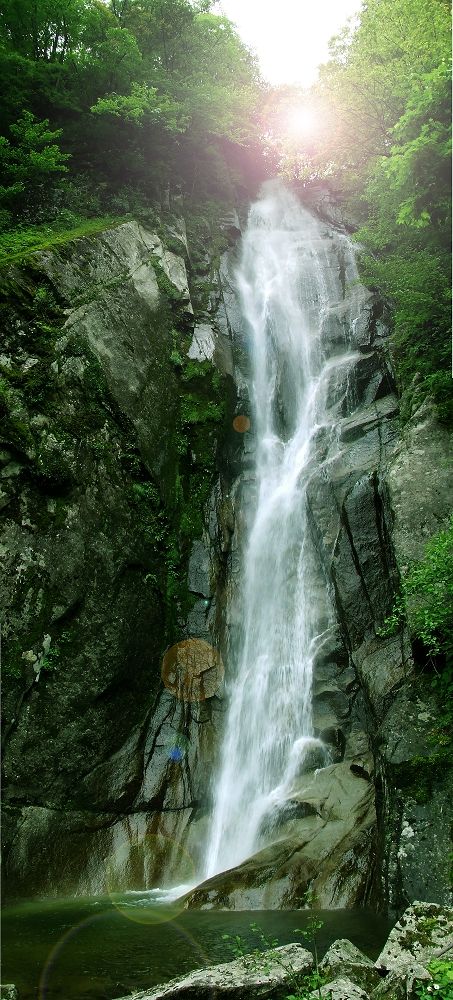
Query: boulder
x=324, y=839
x=8, y=992
x=269, y=975
x=344, y=959
x=423, y=930
x=340, y=989
x=400, y=984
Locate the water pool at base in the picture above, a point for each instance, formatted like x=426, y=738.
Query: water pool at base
x=91, y=949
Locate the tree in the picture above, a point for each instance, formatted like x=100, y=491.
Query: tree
x=30, y=159
x=384, y=143
x=45, y=30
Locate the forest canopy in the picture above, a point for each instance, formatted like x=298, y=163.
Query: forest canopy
x=107, y=104
x=131, y=94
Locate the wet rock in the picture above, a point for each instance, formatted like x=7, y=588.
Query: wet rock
x=416, y=772
x=329, y=848
x=86, y=567
x=270, y=975
x=419, y=478
x=199, y=574
x=281, y=815
x=382, y=665
x=203, y=343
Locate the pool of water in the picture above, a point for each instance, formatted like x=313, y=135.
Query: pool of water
x=88, y=949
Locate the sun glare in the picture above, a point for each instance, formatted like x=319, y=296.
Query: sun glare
x=301, y=121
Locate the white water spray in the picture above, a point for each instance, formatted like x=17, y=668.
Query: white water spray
x=288, y=283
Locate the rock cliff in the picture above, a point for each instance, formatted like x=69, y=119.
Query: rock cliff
x=115, y=397
x=123, y=487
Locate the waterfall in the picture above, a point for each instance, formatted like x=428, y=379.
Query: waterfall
x=289, y=283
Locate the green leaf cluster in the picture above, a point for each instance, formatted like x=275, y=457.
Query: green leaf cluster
x=127, y=95
x=442, y=981
x=427, y=596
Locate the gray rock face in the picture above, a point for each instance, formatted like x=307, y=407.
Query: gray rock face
x=424, y=930
x=325, y=843
x=415, y=768
x=101, y=578
x=103, y=766
x=340, y=989
x=269, y=976
x=402, y=983
x=344, y=959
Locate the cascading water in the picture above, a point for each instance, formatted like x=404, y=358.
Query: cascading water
x=287, y=284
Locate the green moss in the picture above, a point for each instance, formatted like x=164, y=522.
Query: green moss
x=166, y=517
x=196, y=439
x=419, y=775
x=168, y=289
x=15, y=430
x=12, y=662
x=151, y=515
x=18, y=244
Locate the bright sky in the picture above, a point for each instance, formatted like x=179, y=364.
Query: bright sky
x=289, y=36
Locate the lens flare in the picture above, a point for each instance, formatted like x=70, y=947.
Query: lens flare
x=138, y=863
x=54, y=955
x=241, y=424
x=51, y=976
x=192, y=670
x=301, y=121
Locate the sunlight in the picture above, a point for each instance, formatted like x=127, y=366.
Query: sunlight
x=292, y=43
x=301, y=121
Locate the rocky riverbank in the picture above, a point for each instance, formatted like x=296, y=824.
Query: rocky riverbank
x=423, y=934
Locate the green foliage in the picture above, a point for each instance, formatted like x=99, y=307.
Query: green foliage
x=133, y=96
x=427, y=596
x=442, y=981
x=418, y=775
x=48, y=30
x=17, y=244
x=264, y=955
x=151, y=514
x=51, y=660
x=144, y=106
x=168, y=289
x=30, y=158
x=426, y=603
x=428, y=590
x=382, y=141
x=307, y=986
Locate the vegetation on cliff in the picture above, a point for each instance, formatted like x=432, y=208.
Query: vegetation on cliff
x=108, y=104
x=381, y=140
x=114, y=110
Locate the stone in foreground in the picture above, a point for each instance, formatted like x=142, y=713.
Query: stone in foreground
x=420, y=934
x=270, y=976
x=402, y=983
x=340, y=989
x=344, y=959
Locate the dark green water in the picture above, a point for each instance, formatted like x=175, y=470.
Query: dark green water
x=91, y=949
